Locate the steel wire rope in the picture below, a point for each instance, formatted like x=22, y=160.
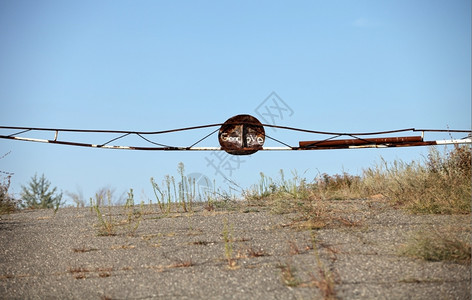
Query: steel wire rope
x=25, y=129
x=154, y=143
x=108, y=131
x=203, y=138
x=117, y=138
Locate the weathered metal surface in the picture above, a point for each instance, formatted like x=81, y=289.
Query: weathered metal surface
x=407, y=140
x=241, y=135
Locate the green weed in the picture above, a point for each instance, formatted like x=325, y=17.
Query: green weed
x=228, y=241
x=107, y=226
x=182, y=193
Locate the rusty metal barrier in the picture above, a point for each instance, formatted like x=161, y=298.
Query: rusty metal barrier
x=244, y=135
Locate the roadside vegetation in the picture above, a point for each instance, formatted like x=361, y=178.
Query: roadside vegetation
x=440, y=184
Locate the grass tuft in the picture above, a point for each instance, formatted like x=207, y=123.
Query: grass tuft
x=289, y=276
x=437, y=246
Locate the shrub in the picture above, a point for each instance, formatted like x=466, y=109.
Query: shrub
x=38, y=194
x=338, y=187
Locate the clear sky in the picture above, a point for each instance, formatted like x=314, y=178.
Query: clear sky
x=152, y=65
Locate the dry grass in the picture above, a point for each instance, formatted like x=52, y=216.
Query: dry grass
x=7, y=203
x=444, y=245
x=325, y=281
x=83, y=249
x=441, y=184
x=309, y=201
x=83, y=273
x=289, y=276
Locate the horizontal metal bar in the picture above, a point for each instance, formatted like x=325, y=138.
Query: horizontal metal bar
x=392, y=145
x=110, y=146
x=409, y=144
x=453, y=142
x=359, y=142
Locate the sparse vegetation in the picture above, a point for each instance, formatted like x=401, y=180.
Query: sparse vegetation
x=325, y=280
x=107, y=224
x=307, y=200
x=182, y=193
x=438, y=185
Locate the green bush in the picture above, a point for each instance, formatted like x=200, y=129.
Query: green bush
x=38, y=194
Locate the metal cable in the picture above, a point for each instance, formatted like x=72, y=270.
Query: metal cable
x=203, y=138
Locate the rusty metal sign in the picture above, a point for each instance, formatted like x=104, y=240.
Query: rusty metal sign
x=241, y=135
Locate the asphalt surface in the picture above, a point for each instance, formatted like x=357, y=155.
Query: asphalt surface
x=237, y=252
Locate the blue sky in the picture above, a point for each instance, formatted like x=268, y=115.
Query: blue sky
x=152, y=65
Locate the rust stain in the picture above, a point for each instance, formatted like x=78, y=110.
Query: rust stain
x=389, y=142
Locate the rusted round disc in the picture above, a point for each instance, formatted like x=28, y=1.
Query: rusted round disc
x=241, y=135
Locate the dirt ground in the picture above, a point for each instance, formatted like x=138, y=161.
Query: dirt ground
x=235, y=252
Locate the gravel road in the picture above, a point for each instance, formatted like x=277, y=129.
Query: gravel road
x=240, y=252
